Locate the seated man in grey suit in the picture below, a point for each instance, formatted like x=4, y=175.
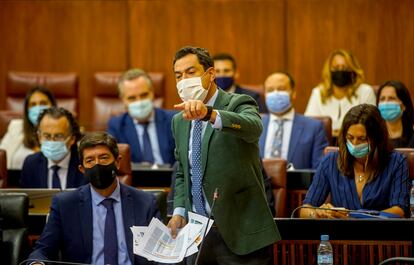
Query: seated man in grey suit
x=287, y=134
x=145, y=128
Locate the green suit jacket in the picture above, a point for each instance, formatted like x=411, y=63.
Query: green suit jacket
x=230, y=161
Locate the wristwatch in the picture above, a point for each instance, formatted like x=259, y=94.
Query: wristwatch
x=208, y=115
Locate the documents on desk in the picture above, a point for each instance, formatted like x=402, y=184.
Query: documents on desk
x=155, y=243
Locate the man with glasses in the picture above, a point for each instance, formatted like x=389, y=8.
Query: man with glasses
x=56, y=165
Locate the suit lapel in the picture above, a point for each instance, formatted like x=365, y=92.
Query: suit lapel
x=297, y=128
x=128, y=214
x=220, y=103
x=262, y=140
x=44, y=172
x=132, y=138
x=161, y=135
x=85, y=215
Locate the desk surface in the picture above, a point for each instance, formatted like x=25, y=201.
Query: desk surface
x=346, y=229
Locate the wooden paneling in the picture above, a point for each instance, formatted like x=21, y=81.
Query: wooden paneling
x=250, y=30
x=75, y=36
x=379, y=33
x=263, y=35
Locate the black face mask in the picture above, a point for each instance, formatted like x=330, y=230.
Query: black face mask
x=101, y=176
x=342, y=78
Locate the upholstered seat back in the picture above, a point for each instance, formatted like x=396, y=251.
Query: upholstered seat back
x=64, y=87
x=275, y=168
x=14, y=211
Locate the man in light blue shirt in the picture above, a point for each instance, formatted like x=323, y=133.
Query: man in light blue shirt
x=92, y=224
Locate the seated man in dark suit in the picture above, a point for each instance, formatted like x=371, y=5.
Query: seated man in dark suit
x=227, y=74
x=287, y=134
x=92, y=224
x=56, y=165
x=145, y=128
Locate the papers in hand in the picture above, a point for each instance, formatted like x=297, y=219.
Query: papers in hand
x=155, y=242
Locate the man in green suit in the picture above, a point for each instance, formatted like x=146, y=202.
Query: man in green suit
x=216, y=135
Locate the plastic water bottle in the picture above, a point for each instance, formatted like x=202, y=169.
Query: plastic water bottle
x=325, y=253
x=412, y=200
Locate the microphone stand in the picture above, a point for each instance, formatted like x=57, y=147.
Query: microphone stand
x=215, y=197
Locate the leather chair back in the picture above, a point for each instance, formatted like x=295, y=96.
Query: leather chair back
x=161, y=196
x=275, y=168
x=64, y=86
x=409, y=153
x=3, y=170
x=329, y=149
x=125, y=170
x=327, y=125
x=14, y=211
x=106, y=102
x=5, y=117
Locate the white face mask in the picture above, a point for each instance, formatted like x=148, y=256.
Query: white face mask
x=140, y=109
x=192, y=88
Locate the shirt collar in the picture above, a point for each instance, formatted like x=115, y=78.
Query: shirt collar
x=212, y=100
x=288, y=116
x=64, y=163
x=98, y=198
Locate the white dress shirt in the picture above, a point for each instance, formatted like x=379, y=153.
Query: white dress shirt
x=152, y=132
x=62, y=172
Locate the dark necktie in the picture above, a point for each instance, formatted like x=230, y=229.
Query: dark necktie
x=197, y=177
x=55, y=177
x=110, y=238
x=147, y=152
x=278, y=140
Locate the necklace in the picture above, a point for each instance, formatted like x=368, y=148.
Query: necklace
x=360, y=178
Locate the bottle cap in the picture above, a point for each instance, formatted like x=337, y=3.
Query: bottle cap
x=325, y=237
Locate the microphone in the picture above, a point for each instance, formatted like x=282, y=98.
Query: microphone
x=367, y=212
x=44, y=261
x=215, y=197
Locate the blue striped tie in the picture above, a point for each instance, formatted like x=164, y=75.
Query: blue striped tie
x=197, y=176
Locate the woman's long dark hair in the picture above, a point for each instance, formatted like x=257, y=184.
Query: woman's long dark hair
x=404, y=95
x=377, y=136
x=29, y=130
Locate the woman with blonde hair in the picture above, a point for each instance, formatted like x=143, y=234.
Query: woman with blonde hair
x=341, y=88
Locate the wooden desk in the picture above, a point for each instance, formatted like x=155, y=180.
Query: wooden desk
x=354, y=241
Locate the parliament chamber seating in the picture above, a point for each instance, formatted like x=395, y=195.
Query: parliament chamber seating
x=14, y=212
x=106, y=102
x=327, y=126
x=125, y=170
x=64, y=87
x=275, y=169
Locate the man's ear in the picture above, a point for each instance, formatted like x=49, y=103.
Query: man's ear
x=236, y=75
x=81, y=169
x=118, y=161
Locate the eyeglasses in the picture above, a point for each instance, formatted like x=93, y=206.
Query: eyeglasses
x=60, y=137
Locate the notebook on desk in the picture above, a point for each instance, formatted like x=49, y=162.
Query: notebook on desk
x=39, y=199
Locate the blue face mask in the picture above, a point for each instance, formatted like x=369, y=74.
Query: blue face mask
x=225, y=82
x=278, y=101
x=34, y=112
x=54, y=150
x=390, y=111
x=358, y=151
x=140, y=109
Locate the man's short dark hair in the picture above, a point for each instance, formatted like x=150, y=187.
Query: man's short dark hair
x=202, y=54
x=225, y=56
x=93, y=139
x=291, y=80
x=57, y=113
